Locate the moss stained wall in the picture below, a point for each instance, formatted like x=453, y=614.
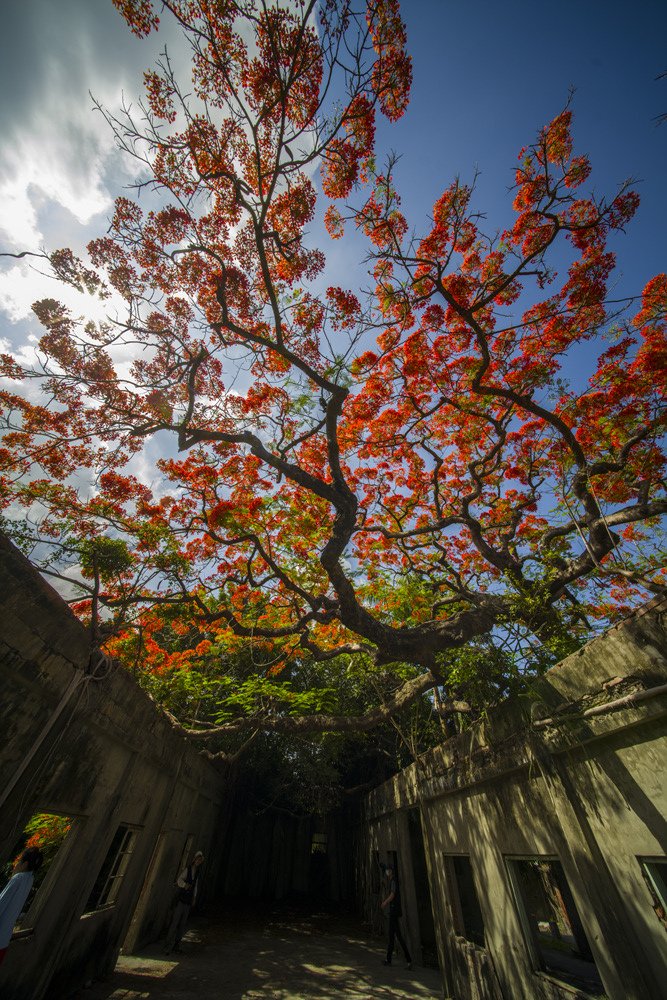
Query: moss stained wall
x=563, y=774
x=80, y=738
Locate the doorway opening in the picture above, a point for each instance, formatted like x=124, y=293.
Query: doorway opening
x=427, y=937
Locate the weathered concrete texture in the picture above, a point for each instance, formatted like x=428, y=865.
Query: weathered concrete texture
x=575, y=773
x=282, y=957
x=80, y=738
x=568, y=774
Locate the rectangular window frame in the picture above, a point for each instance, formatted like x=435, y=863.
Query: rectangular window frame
x=32, y=915
x=655, y=883
x=526, y=924
x=462, y=932
x=319, y=843
x=108, y=894
x=376, y=872
x=524, y=917
x=185, y=855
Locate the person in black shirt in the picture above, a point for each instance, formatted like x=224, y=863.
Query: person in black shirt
x=392, y=906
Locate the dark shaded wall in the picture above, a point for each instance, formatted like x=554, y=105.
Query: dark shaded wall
x=576, y=772
x=78, y=737
x=269, y=855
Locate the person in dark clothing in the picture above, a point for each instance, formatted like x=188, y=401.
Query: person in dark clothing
x=392, y=907
x=187, y=893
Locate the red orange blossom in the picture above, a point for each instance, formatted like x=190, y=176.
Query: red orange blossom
x=391, y=477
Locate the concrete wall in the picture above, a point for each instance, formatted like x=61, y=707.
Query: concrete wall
x=544, y=779
x=80, y=738
x=575, y=772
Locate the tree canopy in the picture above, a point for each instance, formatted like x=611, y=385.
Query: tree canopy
x=392, y=479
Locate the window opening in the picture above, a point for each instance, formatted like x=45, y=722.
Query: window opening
x=376, y=873
x=654, y=871
x=318, y=844
x=108, y=882
x=468, y=919
x=551, y=923
x=185, y=854
x=46, y=831
x=423, y=894
x=390, y=862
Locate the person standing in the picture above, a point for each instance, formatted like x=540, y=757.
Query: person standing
x=15, y=893
x=392, y=907
x=186, y=883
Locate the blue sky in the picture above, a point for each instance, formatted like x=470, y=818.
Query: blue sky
x=487, y=75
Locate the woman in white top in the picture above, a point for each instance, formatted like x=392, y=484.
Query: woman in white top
x=15, y=893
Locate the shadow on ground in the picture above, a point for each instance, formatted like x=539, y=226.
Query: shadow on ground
x=284, y=955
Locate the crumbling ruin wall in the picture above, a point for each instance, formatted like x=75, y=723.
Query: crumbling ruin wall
x=79, y=738
x=575, y=774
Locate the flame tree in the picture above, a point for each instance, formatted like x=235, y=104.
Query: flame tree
x=397, y=479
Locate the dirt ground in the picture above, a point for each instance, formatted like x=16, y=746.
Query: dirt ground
x=282, y=955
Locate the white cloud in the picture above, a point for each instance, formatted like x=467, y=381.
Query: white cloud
x=57, y=149
x=38, y=169
x=59, y=165
x=25, y=283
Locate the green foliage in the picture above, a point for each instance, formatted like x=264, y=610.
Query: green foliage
x=482, y=674
x=46, y=831
x=18, y=532
x=558, y=631
x=302, y=774
x=109, y=557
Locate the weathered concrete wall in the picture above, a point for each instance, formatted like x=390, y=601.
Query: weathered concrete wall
x=544, y=779
x=80, y=738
